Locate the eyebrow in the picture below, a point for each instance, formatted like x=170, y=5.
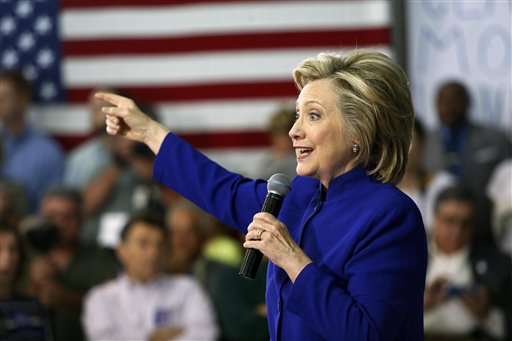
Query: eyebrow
x=310, y=101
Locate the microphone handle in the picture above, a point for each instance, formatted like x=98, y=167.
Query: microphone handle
x=252, y=257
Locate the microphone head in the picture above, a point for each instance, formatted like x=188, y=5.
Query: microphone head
x=279, y=184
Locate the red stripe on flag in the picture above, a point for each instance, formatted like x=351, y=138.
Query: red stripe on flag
x=227, y=139
x=177, y=93
x=72, y=4
x=202, y=140
x=246, y=41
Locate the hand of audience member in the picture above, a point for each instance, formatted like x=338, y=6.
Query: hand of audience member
x=477, y=302
x=261, y=310
x=50, y=293
x=435, y=293
x=165, y=334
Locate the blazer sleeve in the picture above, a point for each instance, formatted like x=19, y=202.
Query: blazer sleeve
x=381, y=290
x=230, y=197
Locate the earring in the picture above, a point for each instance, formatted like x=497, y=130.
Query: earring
x=355, y=148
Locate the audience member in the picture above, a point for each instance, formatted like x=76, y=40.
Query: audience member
x=468, y=285
x=21, y=318
x=281, y=158
x=199, y=247
x=500, y=191
x=239, y=303
x=88, y=159
x=464, y=148
x=144, y=303
x=29, y=157
x=13, y=203
x=60, y=276
x=123, y=186
x=188, y=228
x=422, y=186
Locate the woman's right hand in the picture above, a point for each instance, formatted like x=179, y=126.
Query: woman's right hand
x=125, y=118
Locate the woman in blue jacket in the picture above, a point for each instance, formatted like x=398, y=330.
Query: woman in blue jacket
x=348, y=251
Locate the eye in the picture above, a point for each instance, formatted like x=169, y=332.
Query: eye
x=296, y=117
x=313, y=116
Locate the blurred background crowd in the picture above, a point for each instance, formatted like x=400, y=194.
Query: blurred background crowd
x=92, y=248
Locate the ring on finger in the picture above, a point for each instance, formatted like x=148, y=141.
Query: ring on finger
x=260, y=234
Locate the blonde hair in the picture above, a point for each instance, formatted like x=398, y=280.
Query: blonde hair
x=375, y=102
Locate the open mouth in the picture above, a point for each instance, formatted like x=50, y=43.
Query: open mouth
x=303, y=152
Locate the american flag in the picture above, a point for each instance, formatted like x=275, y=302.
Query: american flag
x=215, y=70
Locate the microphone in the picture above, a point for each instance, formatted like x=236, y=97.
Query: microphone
x=277, y=187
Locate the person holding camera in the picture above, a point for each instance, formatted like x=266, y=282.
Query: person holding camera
x=61, y=269
x=467, y=295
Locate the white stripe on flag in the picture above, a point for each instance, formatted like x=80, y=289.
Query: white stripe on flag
x=195, y=68
x=220, y=18
x=208, y=116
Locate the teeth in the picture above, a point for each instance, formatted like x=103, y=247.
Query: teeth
x=304, y=150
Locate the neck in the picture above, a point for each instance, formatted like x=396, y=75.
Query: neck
x=327, y=180
x=139, y=279
x=15, y=126
x=410, y=179
x=458, y=124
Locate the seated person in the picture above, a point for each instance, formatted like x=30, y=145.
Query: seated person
x=187, y=226
x=62, y=269
x=468, y=285
x=21, y=318
x=144, y=303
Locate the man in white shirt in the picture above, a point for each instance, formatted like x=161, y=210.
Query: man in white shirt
x=143, y=303
x=468, y=283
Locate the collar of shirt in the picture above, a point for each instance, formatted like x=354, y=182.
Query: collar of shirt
x=453, y=137
x=463, y=253
x=131, y=284
x=11, y=141
x=340, y=183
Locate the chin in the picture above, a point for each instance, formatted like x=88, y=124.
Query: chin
x=303, y=171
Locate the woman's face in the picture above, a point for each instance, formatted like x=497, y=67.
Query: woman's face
x=319, y=136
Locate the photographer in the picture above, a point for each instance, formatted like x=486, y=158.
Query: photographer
x=63, y=270
x=467, y=293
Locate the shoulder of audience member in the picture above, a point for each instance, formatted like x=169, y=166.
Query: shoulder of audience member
x=45, y=142
x=182, y=283
x=489, y=132
x=103, y=291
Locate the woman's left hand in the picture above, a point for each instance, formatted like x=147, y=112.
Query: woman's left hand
x=271, y=237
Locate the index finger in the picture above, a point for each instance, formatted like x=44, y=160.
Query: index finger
x=112, y=98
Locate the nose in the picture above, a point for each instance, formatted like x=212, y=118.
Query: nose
x=296, y=131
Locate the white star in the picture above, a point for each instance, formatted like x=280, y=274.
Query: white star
x=9, y=58
x=48, y=90
x=7, y=25
x=43, y=25
x=30, y=72
x=26, y=41
x=45, y=58
x=24, y=9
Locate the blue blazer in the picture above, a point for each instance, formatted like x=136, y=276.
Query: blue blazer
x=366, y=240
